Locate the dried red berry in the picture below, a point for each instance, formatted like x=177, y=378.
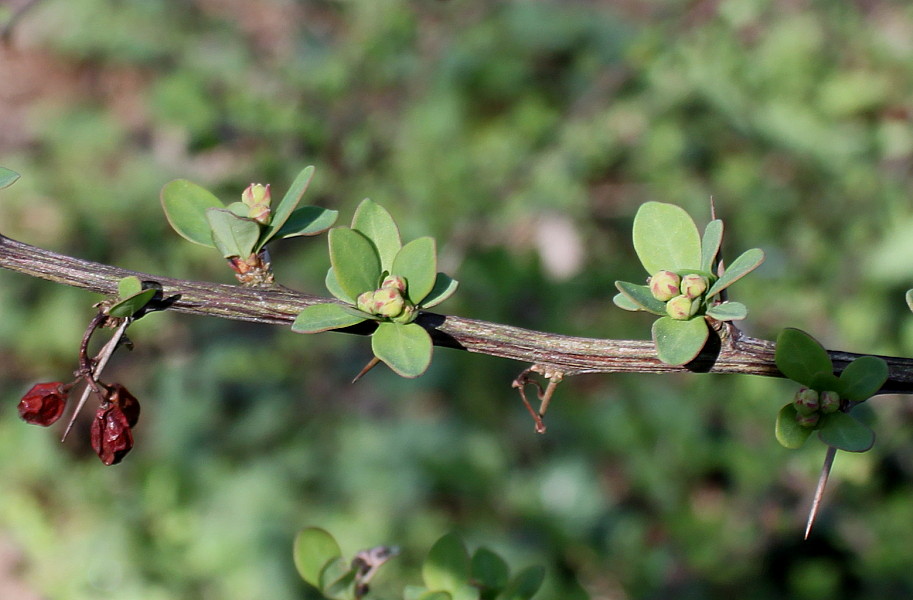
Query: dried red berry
x=44, y=403
x=119, y=395
x=111, y=435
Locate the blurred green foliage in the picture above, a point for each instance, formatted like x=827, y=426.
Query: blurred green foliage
x=523, y=136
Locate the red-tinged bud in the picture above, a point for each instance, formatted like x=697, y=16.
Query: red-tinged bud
x=44, y=403
x=830, y=402
x=388, y=302
x=808, y=421
x=665, y=285
x=806, y=401
x=693, y=285
x=394, y=281
x=679, y=308
x=257, y=198
x=128, y=404
x=111, y=435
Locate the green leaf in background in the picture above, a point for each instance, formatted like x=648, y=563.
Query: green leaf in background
x=313, y=549
x=334, y=288
x=324, y=317
x=842, y=431
x=447, y=565
x=308, y=220
x=525, y=584
x=665, y=237
x=489, y=571
x=909, y=299
x=710, y=244
x=625, y=303
x=678, y=342
x=728, y=311
x=788, y=431
x=355, y=261
x=405, y=348
x=417, y=263
x=800, y=357
x=435, y=596
x=287, y=205
x=444, y=287
x=185, y=205
x=233, y=236
x=7, y=177
x=375, y=222
x=862, y=378
x=337, y=579
x=747, y=262
x=640, y=296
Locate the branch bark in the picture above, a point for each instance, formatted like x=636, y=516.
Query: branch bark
x=567, y=355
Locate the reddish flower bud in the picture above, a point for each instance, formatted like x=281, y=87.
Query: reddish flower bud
x=44, y=403
x=111, y=435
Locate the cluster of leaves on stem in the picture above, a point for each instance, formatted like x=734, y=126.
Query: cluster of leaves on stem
x=449, y=572
x=685, y=284
x=376, y=277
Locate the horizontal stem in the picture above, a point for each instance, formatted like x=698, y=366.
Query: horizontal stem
x=568, y=354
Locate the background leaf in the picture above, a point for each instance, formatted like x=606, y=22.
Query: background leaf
x=710, y=245
x=665, y=237
x=285, y=208
x=747, y=262
x=375, y=222
x=232, y=235
x=313, y=549
x=490, y=571
x=678, y=342
x=862, y=378
x=185, y=205
x=7, y=177
x=447, y=565
x=800, y=357
x=406, y=349
x=308, y=220
x=417, y=262
x=844, y=432
x=323, y=317
x=355, y=261
x=525, y=584
x=788, y=431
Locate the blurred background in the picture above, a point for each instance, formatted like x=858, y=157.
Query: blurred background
x=523, y=135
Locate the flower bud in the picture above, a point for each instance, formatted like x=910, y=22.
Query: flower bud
x=693, y=285
x=388, y=302
x=679, y=308
x=44, y=403
x=806, y=401
x=365, y=302
x=257, y=197
x=830, y=402
x=408, y=315
x=664, y=285
x=808, y=421
x=110, y=433
x=394, y=281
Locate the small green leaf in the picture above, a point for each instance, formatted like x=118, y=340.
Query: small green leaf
x=840, y=430
x=665, y=237
x=825, y=381
x=728, y=311
x=375, y=222
x=128, y=306
x=355, y=261
x=405, y=348
x=800, y=357
x=525, y=585
x=489, y=571
x=128, y=286
x=334, y=288
x=678, y=342
x=324, y=317
x=240, y=209
x=287, y=205
x=185, y=205
x=862, y=378
x=417, y=263
x=337, y=579
x=308, y=220
x=788, y=431
x=625, y=303
x=740, y=267
x=232, y=235
x=447, y=565
x=909, y=299
x=7, y=177
x=444, y=287
x=710, y=244
x=640, y=296
x=314, y=548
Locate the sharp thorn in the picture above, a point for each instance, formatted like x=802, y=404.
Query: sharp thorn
x=371, y=364
x=819, y=491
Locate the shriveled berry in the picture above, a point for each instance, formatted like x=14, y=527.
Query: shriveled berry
x=110, y=433
x=119, y=395
x=44, y=403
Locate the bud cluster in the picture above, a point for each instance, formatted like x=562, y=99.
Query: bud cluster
x=682, y=294
x=811, y=405
x=388, y=301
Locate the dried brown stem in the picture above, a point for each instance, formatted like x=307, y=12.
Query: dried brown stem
x=566, y=354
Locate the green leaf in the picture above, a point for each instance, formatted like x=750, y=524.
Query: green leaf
x=447, y=565
x=740, y=267
x=128, y=306
x=825, y=381
x=444, y=287
x=232, y=235
x=375, y=222
x=128, y=286
x=800, y=357
x=862, y=378
x=840, y=430
x=525, y=585
x=7, y=177
x=239, y=208
x=405, y=348
x=909, y=298
x=417, y=263
x=710, y=244
x=678, y=342
x=489, y=571
x=185, y=205
x=728, y=311
x=314, y=548
x=355, y=261
x=789, y=433
x=334, y=288
x=414, y=592
x=308, y=220
x=625, y=303
x=337, y=579
x=665, y=237
x=640, y=296
x=287, y=205
x=435, y=596
x=323, y=317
